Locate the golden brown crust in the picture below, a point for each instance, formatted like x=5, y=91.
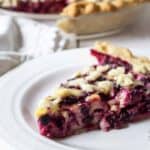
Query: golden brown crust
x=78, y=8
x=110, y=49
x=140, y=64
x=9, y=3
x=85, y=7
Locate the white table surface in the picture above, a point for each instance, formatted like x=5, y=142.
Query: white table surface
x=135, y=37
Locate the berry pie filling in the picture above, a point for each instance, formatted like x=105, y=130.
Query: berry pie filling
x=105, y=96
x=34, y=6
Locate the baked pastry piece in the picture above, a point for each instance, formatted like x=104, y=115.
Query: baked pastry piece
x=107, y=95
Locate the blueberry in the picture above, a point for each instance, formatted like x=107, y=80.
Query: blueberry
x=45, y=119
x=59, y=121
x=69, y=100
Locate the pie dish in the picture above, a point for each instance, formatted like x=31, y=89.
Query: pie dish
x=107, y=95
x=96, y=16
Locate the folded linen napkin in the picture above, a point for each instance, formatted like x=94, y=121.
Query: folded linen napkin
x=23, y=39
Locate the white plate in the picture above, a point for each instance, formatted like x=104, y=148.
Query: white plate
x=22, y=89
x=46, y=17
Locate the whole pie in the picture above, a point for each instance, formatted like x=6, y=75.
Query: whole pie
x=107, y=95
x=99, y=16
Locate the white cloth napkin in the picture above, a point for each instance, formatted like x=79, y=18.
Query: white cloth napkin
x=23, y=39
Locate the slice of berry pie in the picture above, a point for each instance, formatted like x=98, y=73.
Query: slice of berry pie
x=108, y=95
